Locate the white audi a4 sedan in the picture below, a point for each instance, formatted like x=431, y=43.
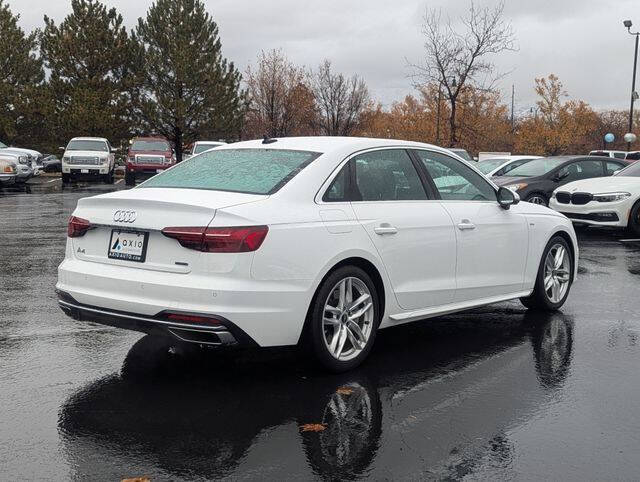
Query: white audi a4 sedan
x=317, y=241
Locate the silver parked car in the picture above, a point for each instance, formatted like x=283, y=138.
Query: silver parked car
x=8, y=171
x=24, y=171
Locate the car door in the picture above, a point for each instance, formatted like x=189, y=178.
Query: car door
x=492, y=242
x=414, y=235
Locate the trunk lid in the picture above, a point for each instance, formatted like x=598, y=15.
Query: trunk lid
x=153, y=210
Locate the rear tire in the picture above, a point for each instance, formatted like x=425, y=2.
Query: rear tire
x=129, y=178
x=554, y=278
x=634, y=219
x=343, y=319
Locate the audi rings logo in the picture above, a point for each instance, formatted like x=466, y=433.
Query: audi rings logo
x=124, y=216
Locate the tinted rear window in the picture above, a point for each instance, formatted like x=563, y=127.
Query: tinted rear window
x=253, y=171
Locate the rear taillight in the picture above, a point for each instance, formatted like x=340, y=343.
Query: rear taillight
x=241, y=239
x=77, y=227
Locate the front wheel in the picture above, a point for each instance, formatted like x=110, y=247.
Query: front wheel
x=109, y=178
x=537, y=198
x=554, y=278
x=129, y=178
x=634, y=219
x=344, y=319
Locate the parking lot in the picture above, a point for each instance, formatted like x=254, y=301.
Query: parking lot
x=492, y=393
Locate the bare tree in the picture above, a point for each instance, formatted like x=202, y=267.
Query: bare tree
x=340, y=101
x=280, y=101
x=455, y=60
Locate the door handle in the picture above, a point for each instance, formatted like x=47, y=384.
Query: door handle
x=385, y=228
x=466, y=224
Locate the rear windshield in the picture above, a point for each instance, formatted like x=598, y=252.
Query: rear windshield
x=79, y=145
x=537, y=167
x=150, y=146
x=252, y=171
x=200, y=147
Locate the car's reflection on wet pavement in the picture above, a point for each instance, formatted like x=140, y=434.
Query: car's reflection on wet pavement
x=447, y=390
x=494, y=393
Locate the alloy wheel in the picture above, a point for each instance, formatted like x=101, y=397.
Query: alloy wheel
x=347, y=320
x=537, y=200
x=557, y=274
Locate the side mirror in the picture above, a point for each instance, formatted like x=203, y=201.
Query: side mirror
x=506, y=198
x=114, y=150
x=61, y=148
x=560, y=176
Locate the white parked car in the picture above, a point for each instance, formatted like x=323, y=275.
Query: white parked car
x=609, y=153
x=602, y=201
x=34, y=158
x=22, y=170
x=202, y=146
x=499, y=166
x=319, y=240
x=90, y=158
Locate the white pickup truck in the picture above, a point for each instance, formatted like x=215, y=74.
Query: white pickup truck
x=89, y=158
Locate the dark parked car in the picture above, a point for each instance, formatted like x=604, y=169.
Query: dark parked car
x=51, y=163
x=536, y=180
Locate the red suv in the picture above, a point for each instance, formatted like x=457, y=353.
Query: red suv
x=146, y=157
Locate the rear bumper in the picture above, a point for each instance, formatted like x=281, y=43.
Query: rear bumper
x=271, y=313
x=224, y=333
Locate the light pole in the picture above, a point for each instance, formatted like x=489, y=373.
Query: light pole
x=634, y=94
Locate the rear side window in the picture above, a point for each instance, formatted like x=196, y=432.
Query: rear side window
x=252, y=171
x=387, y=175
x=338, y=190
x=619, y=155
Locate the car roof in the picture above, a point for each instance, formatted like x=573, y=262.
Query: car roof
x=89, y=139
x=331, y=144
x=150, y=138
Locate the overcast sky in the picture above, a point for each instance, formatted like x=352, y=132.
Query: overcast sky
x=581, y=41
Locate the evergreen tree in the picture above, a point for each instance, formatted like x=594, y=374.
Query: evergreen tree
x=190, y=90
x=21, y=80
x=94, y=67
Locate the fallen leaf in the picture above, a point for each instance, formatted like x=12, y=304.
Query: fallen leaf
x=313, y=427
x=344, y=391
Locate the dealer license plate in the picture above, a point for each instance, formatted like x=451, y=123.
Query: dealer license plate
x=128, y=245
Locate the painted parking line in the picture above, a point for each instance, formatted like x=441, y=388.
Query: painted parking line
x=630, y=240
x=53, y=180
x=118, y=182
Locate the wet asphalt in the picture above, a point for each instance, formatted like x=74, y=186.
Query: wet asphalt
x=494, y=393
